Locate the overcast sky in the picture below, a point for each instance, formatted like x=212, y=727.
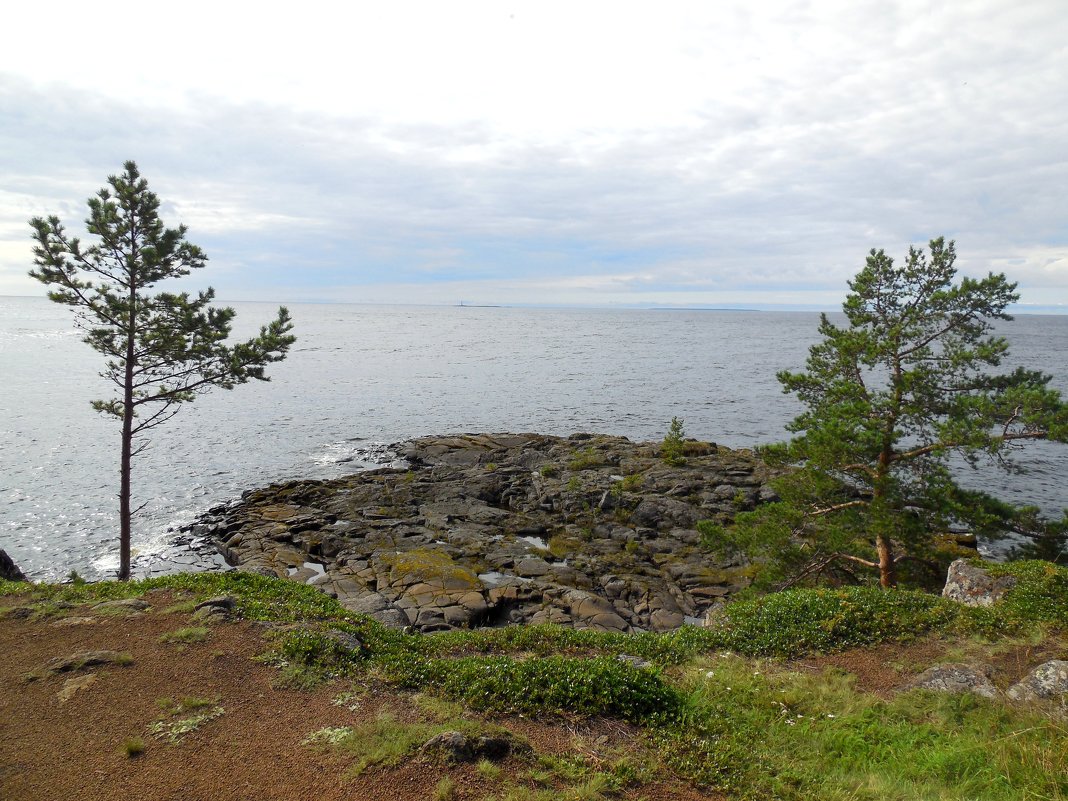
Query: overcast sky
x=709, y=153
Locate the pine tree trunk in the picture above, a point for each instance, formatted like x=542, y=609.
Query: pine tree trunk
x=124, y=498
x=887, y=566
x=127, y=444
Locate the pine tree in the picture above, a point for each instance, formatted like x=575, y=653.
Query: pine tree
x=162, y=349
x=914, y=377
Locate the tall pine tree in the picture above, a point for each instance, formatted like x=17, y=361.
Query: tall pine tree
x=914, y=377
x=162, y=349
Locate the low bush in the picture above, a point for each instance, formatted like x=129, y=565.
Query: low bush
x=553, y=684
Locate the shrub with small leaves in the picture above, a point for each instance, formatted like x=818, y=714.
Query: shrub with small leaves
x=671, y=449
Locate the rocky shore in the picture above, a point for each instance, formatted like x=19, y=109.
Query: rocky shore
x=487, y=530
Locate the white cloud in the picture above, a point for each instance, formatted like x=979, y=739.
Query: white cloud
x=605, y=148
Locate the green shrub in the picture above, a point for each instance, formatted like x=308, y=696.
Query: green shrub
x=553, y=684
x=133, y=747
x=800, y=621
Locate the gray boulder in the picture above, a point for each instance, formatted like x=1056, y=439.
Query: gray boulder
x=973, y=586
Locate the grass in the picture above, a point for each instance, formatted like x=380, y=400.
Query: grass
x=488, y=770
x=179, y=608
x=445, y=790
x=186, y=636
x=133, y=747
x=791, y=736
x=585, y=459
x=184, y=705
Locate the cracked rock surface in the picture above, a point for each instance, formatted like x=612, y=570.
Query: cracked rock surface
x=492, y=529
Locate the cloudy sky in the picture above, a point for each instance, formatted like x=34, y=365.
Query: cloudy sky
x=582, y=152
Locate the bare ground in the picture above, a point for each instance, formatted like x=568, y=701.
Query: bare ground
x=54, y=748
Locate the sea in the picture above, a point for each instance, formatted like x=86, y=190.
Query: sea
x=361, y=377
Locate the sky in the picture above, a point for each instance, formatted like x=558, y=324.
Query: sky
x=724, y=154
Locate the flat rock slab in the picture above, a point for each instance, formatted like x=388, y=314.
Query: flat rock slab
x=956, y=678
x=74, y=685
x=130, y=605
x=86, y=659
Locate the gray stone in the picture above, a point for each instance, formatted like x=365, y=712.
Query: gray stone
x=973, y=586
x=226, y=602
x=453, y=746
x=532, y=566
x=956, y=678
x=1047, y=682
x=211, y=615
x=346, y=639
x=665, y=620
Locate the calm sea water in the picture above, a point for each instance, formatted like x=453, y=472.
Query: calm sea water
x=363, y=376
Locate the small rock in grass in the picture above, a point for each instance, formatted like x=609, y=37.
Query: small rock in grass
x=215, y=610
x=69, y=622
x=955, y=678
x=1047, y=682
x=218, y=602
x=345, y=639
x=453, y=746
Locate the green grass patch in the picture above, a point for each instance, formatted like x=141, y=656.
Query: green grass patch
x=186, y=636
x=553, y=684
x=585, y=459
x=791, y=736
x=180, y=607
x=133, y=747
x=445, y=790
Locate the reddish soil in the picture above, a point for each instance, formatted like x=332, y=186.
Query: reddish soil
x=52, y=749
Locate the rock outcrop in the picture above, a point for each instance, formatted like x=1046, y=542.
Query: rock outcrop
x=487, y=530
x=9, y=571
